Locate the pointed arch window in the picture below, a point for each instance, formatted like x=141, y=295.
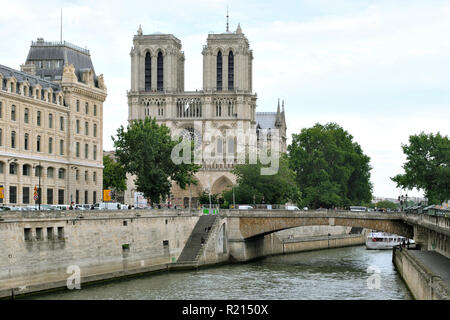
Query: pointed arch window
x=219, y=71
x=230, y=71
x=148, y=72
x=160, y=72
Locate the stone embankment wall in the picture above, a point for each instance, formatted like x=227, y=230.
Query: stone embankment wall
x=42, y=250
x=423, y=284
x=38, y=249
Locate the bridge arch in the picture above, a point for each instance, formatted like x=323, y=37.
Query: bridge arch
x=254, y=227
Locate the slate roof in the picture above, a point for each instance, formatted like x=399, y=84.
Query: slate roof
x=266, y=120
x=65, y=51
x=22, y=77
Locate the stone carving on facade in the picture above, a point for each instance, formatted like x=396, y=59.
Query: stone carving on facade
x=101, y=82
x=69, y=73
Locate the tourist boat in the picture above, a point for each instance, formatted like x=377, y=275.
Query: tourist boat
x=384, y=240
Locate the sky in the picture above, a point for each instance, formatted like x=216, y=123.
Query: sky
x=379, y=69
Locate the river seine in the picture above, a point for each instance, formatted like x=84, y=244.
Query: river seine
x=343, y=273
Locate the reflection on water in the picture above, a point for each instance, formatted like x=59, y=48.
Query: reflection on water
x=327, y=274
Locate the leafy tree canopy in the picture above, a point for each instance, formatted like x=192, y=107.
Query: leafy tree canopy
x=144, y=150
x=272, y=189
x=386, y=204
x=427, y=166
x=114, y=175
x=332, y=170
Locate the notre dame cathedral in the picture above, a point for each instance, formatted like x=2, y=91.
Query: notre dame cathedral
x=225, y=102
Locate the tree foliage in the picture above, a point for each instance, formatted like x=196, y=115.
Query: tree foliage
x=144, y=150
x=272, y=189
x=386, y=204
x=427, y=166
x=331, y=169
x=114, y=174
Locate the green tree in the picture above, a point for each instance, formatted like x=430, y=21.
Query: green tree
x=273, y=189
x=204, y=198
x=427, y=166
x=145, y=150
x=331, y=169
x=386, y=204
x=114, y=175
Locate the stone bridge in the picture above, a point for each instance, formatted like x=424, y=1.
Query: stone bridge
x=246, y=229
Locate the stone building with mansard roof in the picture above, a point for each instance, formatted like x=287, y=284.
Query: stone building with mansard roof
x=51, y=127
x=226, y=101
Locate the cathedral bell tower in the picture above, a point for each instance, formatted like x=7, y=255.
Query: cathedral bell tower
x=227, y=63
x=157, y=63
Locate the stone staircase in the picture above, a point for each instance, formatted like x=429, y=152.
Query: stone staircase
x=193, y=247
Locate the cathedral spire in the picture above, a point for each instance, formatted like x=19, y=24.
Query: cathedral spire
x=228, y=30
x=139, y=32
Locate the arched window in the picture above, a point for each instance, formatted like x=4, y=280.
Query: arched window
x=13, y=139
x=148, y=72
x=50, y=172
x=219, y=71
x=160, y=72
x=86, y=128
x=38, y=144
x=38, y=171
x=219, y=145
x=26, y=139
x=61, y=173
x=25, y=115
x=13, y=113
x=231, y=146
x=50, y=145
x=95, y=130
x=13, y=168
x=61, y=147
x=26, y=168
x=230, y=71
x=95, y=152
x=50, y=120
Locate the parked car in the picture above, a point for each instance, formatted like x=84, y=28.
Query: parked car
x=245, y=207
x=292, y=208
x=106, y=205
x=82, y=207
x=5, y=208
x=60, y=206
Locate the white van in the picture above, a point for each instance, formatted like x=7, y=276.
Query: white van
x=106, y=205
x=60, y=207
x=82, y=207
x=292, y=208
x=245, y=207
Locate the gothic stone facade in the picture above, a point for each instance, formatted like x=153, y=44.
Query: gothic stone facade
x=51, y=118
x=225, y=102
